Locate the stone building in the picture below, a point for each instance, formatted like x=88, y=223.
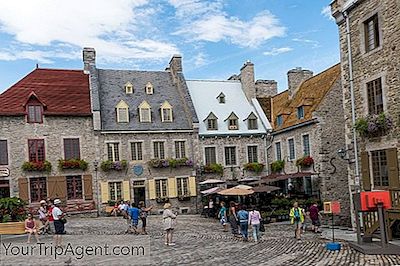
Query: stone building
x=147, y=133
x=232, y=127
x=307, y=121
x=369, y=33
x=46, y=139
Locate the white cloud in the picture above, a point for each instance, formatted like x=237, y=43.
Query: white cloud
x=105, y=25
x=277, y=51
x=326, y=12
x=312, y=43
x=200, y=59
x=206, y=21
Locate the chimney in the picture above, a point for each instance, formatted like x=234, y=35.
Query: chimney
x=247, y=80
x=295, y=77
x=89, y=58
x=266, y=88
x=175, y=64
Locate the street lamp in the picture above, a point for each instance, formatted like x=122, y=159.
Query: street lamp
x=343, y=154
x=96, y=168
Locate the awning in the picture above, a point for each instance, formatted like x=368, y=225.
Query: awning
x=236, y=192
x=211, y=181
x=278, y=177
x=211, y=191
x=248, y=179
x=264, y=189
x=243, y=187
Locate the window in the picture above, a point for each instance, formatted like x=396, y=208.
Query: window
x=375, y=97
x=166, y=112
x=230, y=155
x=136, y=150
x=221, y=98
x=74, y=187
x=71, y=149
x=252, y=123
x=36, y=150
x=128, y=88
x=252, y=156
x=212, y=124
x=300, y=112
x=38, y=188
x=161, y=188
x=210, y=156
x=279, y=120
x=122, y=112
x=149, y=88
x=292, y=154
x=158, y=147
x=144, y=112
x=306, y=145
x=3, y=152
x=278, y=151
x=380, y=168
x=371, y=31
x=115, y=190
x=35, y=113
x=180, y=149
x=233, y=121
x=182, y=184
x=113, y=151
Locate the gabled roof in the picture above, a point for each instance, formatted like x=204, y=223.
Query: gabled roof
x=310, y=95
x=63, y=92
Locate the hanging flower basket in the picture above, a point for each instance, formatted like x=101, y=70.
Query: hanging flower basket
x=173, y=163
x=374, y=125
x=305, y=161
x=44, y=166
x=72, y=164
x=254, y=167
x=214, y=168
x=117, y=166
x=277, y=166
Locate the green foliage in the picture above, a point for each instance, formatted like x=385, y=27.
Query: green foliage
x=117, y=165
x=254, y=167
x=12, y=210
x=305, y=161
x=277, y=166
x=37, y=166
x=111, y=203
x=214, y=168
x=72, y=164
x=361, y=126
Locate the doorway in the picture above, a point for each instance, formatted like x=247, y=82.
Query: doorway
x=4, y=189
x=139, y=194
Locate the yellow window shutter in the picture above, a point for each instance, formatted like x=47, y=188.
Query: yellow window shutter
x=192, y=186
x=126, y=190
x=152, y=189
x=104, y=192
x=172, y=191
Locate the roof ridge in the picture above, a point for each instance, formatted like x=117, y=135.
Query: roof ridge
x=214, y=80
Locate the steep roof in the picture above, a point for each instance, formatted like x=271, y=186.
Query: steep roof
x=112, y=91
x=309, y=95
x=62, y=92
x=204, y=94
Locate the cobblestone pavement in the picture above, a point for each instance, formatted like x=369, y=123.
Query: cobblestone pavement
x=201, y=241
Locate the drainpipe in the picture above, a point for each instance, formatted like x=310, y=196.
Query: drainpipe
x=267, y=148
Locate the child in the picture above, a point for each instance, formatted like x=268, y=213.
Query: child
x=30, y=228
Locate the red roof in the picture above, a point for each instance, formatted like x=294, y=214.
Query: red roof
x=62, y=92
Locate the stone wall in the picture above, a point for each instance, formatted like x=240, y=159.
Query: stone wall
x=247, y=80
x=266, y=88
x=295, y=77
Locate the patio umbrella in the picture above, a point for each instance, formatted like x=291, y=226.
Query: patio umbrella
x=262, y=189
x=236, y=192
x=248, y=179
x=211, y=181
x=243, y=187
x=211, y=191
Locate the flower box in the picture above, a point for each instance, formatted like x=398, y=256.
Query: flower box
x=173, y=163
x=374, y=125
x=214, y=168
x=44, y=166
x=72, y=164
x=184, y=198
x=254, y=167
x=117, y=165
x=277, y=166
x=162, y=200
x=305, y=161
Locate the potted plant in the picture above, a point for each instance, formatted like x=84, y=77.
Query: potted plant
x=72, y=164
x=254, y=167
x=305, y=161
x=12, y=216
x=158, y=163
x=277, y=166
x=117, y=165
x=373, y=125
x=44, y=166
x=214, y=168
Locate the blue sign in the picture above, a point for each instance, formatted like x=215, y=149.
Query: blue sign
x=138, y=170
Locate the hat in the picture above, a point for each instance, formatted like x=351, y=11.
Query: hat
x=167, y=205
x=42, y=202
x=57, y=201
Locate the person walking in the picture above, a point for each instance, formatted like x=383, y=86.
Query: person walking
x=222, y=216
x=243, y=217
x=255, y=221
x=144, y=212
x=31, y=228
x=50, y=206
x=297, y=218
x=315, y=217
x=44, y=228
x=168, y=221
x=134, y=213
x=232, y=217
x=59, y=221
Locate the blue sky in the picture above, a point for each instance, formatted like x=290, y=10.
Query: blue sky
x=215, y=37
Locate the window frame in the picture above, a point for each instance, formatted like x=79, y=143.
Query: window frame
x=376, y=33
x=159, y=151
x=135, y=151
x=228, y=159
x=180, y=151
x=278, y=158
x=252, y=154
x=289, y=149
x=372, y=88
x=126, y=114
x=215, y=154
x=36, y=141
x=180, y=186
x=309, y=144
x=381, y=168
x=279, y=120
x=72, y=187
x=36, y=106
x=212, y=124
x=169, y=116
x=115, y=152
x=300, y=112
x=113, y=185
x=5, y=153
x=72, y=149
x=161, y=187
x=41, y=193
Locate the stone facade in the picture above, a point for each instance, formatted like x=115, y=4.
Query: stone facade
x=296, y=77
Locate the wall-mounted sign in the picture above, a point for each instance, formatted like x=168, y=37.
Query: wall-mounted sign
x=138, y=170
x=4, y=172
x=332, y=207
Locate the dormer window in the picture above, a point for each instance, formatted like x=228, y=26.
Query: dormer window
x=221, y=98
x=35, y=113
x=279, y=120
x=128, y=88
x=144, y=112
x=211, y=122
x=166, y=112
x=252, y=121
x=300, y=112
x=122, y=112
x=233, y=123
x=149, y=88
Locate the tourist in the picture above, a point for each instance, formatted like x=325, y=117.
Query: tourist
x=30, y=228
x=144, y=212
x=168, y=220
x=134, y=213
x=211, y=208
x=222, y=216
x=315, y=217
x=243, y=217
x=232, y=217
x=115, y=210
x=297, y=218
x=59, y=222
x=254, y=221
x=50, y=207
x=43, y=217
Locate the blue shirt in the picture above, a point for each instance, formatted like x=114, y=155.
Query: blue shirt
x=243, y=216
x=134, y=213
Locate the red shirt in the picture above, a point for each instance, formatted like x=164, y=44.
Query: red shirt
x=51, y=219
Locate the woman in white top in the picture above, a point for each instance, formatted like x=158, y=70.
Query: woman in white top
x=168, y=221
x=58, y=223
x=254, y=221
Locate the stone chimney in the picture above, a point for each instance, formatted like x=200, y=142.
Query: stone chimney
x=175, y=64
x=266, y=88
x=247, y=80
x=295, y=77
x=89, y=58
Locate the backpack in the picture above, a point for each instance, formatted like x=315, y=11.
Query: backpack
x=296, y=214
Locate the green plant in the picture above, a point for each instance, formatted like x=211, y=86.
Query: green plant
x=72, y=164
x=214, y=168
x=12, y=210
x=361, y=126
x=111, y=203
x=277, y=166
x=110, y=165
x=373, y=125
x=305, y=161
x=37, y=166
x=254, y=167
